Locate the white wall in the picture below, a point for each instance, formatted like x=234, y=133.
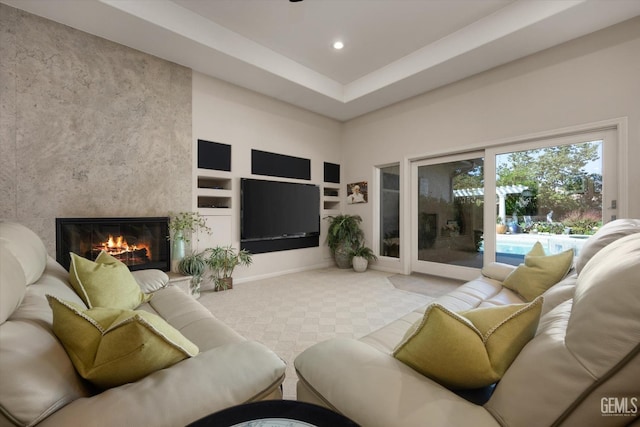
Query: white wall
x=587, y=80
x=246, y=120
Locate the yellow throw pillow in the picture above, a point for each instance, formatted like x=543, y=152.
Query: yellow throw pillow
x=470, y=349
x=110, y=346
x=107, y=282
x=539, y=272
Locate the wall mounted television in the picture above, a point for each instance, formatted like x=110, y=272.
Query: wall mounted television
x=277, y=215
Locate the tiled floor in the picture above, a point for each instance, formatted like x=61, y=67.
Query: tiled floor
x=292, y=312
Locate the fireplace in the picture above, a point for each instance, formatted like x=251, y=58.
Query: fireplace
x=140, y=243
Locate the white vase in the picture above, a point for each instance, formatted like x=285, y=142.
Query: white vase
x=360, y=264
x=177, y=251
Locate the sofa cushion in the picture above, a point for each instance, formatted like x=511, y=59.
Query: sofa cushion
x=608, y=233
x=105, y=282
x=608, y=285
x=191, y=318
x=150, y=280
x=13, y=283
x=27, y=247
x=470, y=349
x=110, y=346
x=586, y=348
x=47, y=380
x=539, y=272
x=376, y=390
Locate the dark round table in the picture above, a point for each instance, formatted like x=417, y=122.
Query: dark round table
x=275, y=413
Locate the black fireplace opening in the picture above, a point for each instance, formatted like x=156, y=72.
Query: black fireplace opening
x=140, y=242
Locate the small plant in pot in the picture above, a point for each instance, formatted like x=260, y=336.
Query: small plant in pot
x=222, y=260
x=182, y=226
x=193, y=265
x=361, y=257
x=343, y=236
x=501, y=227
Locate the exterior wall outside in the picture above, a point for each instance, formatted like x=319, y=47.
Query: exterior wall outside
x=88, y=127
x=587, y=80
x=228, y=114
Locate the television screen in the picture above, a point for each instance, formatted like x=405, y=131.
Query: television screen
x=274, y=209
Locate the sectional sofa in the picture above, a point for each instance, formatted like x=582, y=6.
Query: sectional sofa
x=581, y=367
x=39, y=384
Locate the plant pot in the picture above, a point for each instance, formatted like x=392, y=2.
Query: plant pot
x=177, y=251
x=342, y=256
x=360, y=264
x=501, y=228
x=223, y=284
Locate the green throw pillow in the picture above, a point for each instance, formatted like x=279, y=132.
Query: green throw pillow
x=539, y=272
x=105, y=282
x=470, y=349
x=110, y=346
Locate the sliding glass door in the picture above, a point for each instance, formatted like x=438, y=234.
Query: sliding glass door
x=447, y=215
x=557, y=192
x=471, y=209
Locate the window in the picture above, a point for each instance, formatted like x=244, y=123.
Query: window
x=390, y=211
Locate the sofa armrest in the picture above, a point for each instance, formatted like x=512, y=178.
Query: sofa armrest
x=497, y=271
x=375, y=389
x=185, y=392
x=150, y=280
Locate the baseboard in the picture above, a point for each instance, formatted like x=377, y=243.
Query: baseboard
x=324, y=264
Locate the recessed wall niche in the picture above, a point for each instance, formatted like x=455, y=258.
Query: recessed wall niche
x=214, y=155
x=280, y=165
x=331, y=173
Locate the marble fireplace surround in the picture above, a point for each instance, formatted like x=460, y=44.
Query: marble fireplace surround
x=88, y=128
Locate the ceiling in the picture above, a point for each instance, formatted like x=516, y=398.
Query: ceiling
x=394, y=49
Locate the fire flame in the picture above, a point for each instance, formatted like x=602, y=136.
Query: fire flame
x=119, y=246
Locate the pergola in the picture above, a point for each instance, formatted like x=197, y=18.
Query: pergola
x=501, y=192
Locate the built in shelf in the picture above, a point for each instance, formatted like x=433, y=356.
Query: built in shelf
x=211, y=183
x=213, y=202
x=331, y=192
x=331, y=199
x=330, y=205
x=214, y=192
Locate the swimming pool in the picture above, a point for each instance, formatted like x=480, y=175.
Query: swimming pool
x=521, y=244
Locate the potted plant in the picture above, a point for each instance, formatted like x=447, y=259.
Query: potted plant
x=343, y=236
x=181, y=227
x=361, y=257
x=501, y=227
x=193, y=265
x=222, y=260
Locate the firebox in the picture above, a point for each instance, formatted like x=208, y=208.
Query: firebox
x=140, y=243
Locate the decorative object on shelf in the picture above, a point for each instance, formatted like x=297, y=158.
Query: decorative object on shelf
x=361, y=257
x=193, y=265
x=222, y=260
x=357, y=193
x=343, y=236
x=182, y=226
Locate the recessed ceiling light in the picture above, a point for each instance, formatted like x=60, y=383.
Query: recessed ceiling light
x=338, y=45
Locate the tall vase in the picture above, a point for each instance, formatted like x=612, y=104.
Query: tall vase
x=177, y=250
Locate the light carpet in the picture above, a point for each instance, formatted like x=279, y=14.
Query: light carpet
x=292, y=312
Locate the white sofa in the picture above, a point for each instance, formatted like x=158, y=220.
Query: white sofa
x=586, y=351
x=38, y=382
